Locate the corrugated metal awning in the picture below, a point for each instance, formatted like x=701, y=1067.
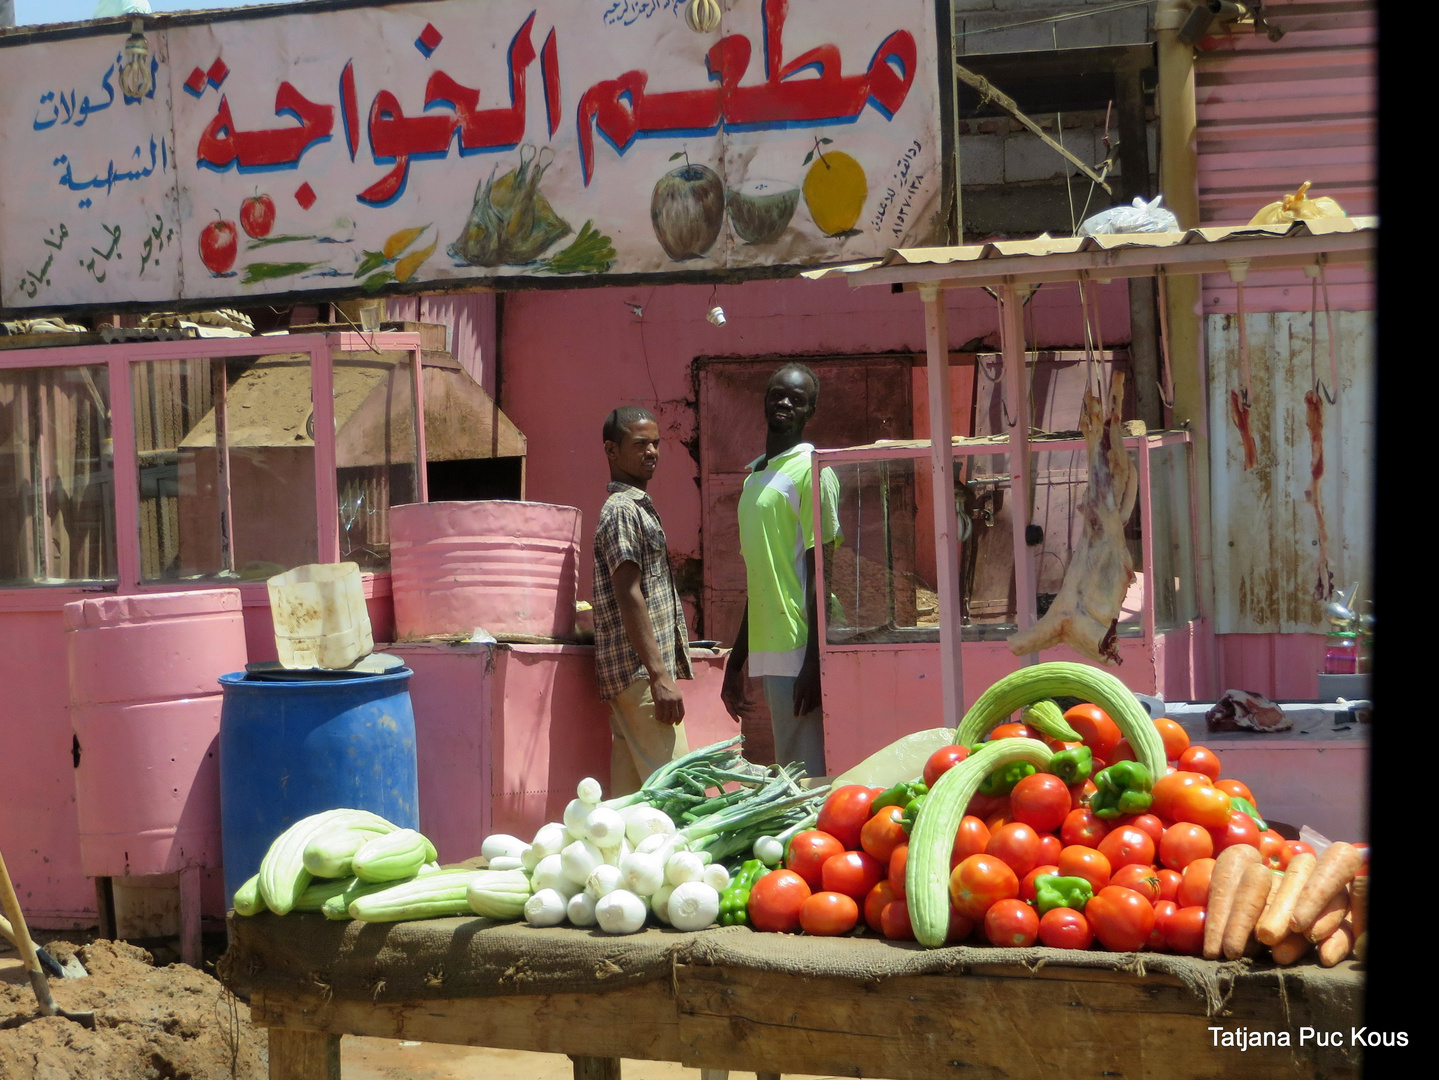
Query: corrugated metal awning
x=1119, y=255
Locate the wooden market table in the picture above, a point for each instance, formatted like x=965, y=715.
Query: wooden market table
x=733, y=999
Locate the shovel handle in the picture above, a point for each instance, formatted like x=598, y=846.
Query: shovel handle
x=11, y=903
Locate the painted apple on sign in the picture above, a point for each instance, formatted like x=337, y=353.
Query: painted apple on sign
x=219, y=243
x=257, y=215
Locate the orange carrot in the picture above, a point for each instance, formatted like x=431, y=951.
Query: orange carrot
x=1223, y=884
x=1359, y=905
x=1290, y=949
x=1273, y=925
x=1334, y=870
x=1329, y=919
x=1337, y=945
x=1249, y=897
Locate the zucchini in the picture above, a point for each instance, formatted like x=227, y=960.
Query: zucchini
x=499, y=894
x=926, y=874
x=283, y=876
x=430, y=897
x=247, y=898
x=1059, y=678
x=1047, y=717
x=338, y=907
x=329, y=854
x=392, y=857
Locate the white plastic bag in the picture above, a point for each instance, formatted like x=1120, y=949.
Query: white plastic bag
x=1140, y=217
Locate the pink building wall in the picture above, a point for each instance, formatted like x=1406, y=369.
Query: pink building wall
x=569, y=357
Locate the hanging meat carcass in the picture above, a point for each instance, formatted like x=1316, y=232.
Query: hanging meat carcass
x=1085, y=614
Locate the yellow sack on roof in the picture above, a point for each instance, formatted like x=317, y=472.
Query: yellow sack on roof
x=1298, y=205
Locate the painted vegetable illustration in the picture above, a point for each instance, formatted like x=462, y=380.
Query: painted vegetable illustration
x=834, y=189
x=511, y=221
x=375, y=266
x=219, y=242
x=687, y=209
x=257, y=216
x=760, y=210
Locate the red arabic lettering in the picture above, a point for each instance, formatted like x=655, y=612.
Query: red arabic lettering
x=621, y=110
x=222, y=144
x=550, y=72
x=350, y=108
x=396, y=137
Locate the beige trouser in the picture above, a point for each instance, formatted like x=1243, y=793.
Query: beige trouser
x=641, y=743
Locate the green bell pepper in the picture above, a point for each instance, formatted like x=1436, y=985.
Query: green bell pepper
x=1122, y=788
x=1243, y=805
x=1003, y=779
x=911, y=811
x=734, y=901
x=1052, y=891
x=899, y=795
x=1073, y=766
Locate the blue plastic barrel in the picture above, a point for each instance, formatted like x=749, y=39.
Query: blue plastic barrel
x=292, y=749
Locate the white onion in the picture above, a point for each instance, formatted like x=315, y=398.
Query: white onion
x=657, y=842
x=574, y=817
x=716, y=877
x=693, y=906
x=545, y=908
x=642, y=874
x=550, y=840
x=581, y=910
x=622, y=912
x=660, y=902
x=616, y=855
x=502, y=844
x=550, y=874
x=588, y=791
x=643, y=820
x=684, y=866
x=605, y=828
x=769, y=850
x=579, y=861
x=604, y=880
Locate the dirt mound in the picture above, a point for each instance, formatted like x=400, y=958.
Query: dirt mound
x=168, y=1023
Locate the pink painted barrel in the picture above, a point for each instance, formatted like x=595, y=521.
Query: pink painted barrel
x=510, y=567
x=145, y=706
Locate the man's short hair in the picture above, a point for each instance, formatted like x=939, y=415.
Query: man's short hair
x=619, y=421
x=803, y=369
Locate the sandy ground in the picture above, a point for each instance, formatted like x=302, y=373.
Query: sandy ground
x=171, y=1022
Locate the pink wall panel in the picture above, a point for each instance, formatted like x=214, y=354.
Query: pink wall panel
x=1282, y=667
x=571, y=356
x=1274, y=114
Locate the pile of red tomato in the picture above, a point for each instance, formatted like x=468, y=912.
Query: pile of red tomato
x=1149, y=872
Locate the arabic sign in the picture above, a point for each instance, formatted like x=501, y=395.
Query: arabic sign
x=444, y=142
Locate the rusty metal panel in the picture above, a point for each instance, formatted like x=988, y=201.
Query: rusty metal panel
x=1266, y=539
x=1274, y=114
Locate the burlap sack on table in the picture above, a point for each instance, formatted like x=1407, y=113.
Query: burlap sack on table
x=472, y=957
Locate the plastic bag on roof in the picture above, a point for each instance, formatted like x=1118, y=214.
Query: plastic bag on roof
x=1140, y=217
x=1298, y=205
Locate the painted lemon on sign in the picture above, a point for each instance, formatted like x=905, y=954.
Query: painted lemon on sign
x=834, y=190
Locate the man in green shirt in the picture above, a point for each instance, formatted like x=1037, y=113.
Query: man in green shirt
x=779, y=633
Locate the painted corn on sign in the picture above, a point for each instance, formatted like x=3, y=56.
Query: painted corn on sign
x=378, y=146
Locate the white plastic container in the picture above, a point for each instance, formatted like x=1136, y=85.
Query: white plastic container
x=320, y=616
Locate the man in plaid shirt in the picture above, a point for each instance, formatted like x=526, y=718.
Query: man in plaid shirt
x=641, y=644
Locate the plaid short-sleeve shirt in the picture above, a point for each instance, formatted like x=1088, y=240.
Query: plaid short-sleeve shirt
x=629, y=530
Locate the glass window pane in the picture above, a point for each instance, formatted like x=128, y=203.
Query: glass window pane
x=57, y=493
x=374, y=450
x=265, y=455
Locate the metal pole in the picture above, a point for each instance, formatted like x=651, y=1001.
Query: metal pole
x=7, y=12
x=946, y=519
x=1016, y=393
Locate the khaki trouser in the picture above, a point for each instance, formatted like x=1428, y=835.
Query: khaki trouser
x=641, y=743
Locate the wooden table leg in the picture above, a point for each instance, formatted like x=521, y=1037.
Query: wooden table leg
x=590, y=1068
x=105, y=905
x=304, y=1055
x=191, y=951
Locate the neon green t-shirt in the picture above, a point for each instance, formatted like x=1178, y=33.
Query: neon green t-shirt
x=776, y=528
